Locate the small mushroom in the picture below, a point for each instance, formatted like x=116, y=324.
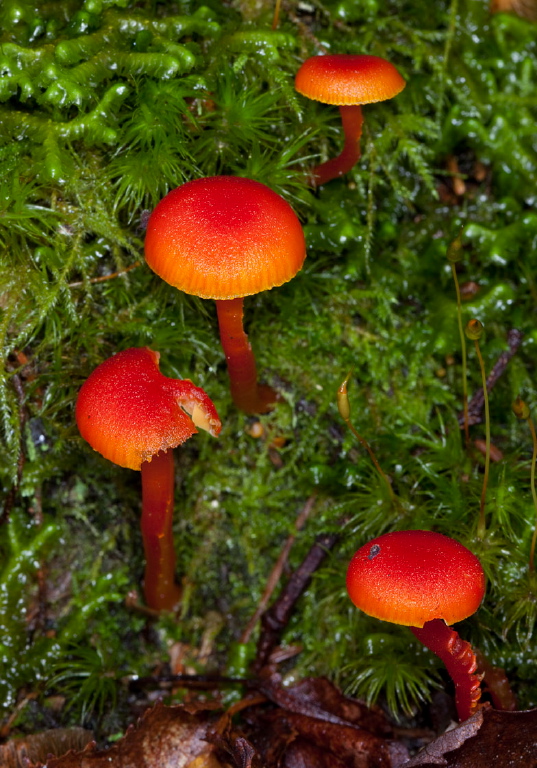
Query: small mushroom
x=224, y=238
x=134, y=416
x=348, y=81
x=425, y=581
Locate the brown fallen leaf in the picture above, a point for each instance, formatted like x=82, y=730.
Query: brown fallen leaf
x=16, y=753
x=354, y=747
x=301, y=753
x=165, y=737
x=489, y=739
x=327, y=697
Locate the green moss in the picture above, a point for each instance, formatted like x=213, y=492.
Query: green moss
x=104, y=106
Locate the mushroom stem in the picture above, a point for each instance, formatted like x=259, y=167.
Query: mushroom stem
x=459, y=660
x=160, y=590
x=352, y=120
x=247, y=394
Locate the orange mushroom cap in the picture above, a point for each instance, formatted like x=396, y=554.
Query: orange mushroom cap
x=128, y=411
x=346, y=79
x=223, y=237
x=412, y=577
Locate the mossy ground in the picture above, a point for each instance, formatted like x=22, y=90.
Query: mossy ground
x=107, y=104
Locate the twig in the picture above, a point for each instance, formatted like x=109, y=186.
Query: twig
x=198, y=682
x=277, y=570
x=475, y=406
x=275, y=619
x=102, y=279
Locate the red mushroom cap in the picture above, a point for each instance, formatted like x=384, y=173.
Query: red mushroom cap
x=411, y=577
x=223, y=237
x=345, y=79
x=128, y=411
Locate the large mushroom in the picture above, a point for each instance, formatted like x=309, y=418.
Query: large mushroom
x=347, y=81
x=224, y=238
x=425, y=581
x=134, y=416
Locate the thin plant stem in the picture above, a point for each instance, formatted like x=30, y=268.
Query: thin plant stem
x=533, y=492
x=345, y=413
x=522, y=411
x=481, y=522
x=276, y=17
x=464, y=363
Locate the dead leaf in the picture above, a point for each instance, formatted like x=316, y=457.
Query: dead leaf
x=326, y=696
x=315, y=725
x=165, y=737
x=274, y=733
x=301, y=753
x=16, y=753
x=237, y=747
x=489, y=739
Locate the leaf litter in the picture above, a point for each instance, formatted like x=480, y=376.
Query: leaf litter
x=309, y=724
x=338, y=732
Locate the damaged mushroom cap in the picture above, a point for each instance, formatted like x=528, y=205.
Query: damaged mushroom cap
x=412, y=577
x=128, y=411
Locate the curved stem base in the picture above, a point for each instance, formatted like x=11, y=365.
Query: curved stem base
x=460, y=662
x=352, y=120
x=247, y=394
x=160, y=590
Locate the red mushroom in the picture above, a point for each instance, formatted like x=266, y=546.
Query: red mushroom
x=347, y=81
x=224, y=238
x=134, y=416
x=425, y=581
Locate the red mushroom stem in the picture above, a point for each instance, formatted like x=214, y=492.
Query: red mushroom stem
x=352, y=120
x=247, y=394
x=460, y=662
x=160, y=590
